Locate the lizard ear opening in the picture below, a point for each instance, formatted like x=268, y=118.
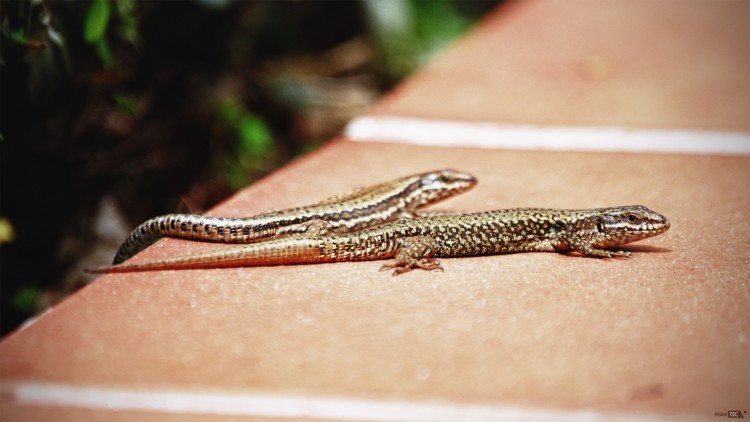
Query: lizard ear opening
x=599, y=226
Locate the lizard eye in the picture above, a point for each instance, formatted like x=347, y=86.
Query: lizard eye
x=632, y=218
x=444, y=178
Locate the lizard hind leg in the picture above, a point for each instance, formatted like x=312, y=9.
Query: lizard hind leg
x=414, y=252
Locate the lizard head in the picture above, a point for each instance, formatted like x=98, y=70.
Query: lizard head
x=437, y=185
x=620, y=225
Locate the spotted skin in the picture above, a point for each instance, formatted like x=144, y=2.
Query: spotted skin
x=362, y=208
x=417, y=243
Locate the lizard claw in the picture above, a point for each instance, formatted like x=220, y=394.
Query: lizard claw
x=429, y=264
x=621, y=254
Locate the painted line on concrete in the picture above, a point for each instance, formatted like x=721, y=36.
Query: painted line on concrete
x=286, y=406
x=444, y=133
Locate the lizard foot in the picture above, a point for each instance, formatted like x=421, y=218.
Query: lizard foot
x=414, y=252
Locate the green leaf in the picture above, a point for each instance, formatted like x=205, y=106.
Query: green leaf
x=255, y=136
x=102, y=49
x=96, y=21
x=128, y=21
x=126, y=105
x=18, y=36
x=252, y=132
x=25, y=299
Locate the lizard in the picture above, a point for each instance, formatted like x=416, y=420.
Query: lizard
x=417, y=243
x=359, y=209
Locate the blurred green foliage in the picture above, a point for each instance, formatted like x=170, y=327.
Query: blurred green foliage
x=96, y=21
x=409, y=33
x=26, y=298
x=252, y=146
x=125, y=104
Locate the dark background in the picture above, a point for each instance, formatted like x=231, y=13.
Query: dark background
x=117, y=111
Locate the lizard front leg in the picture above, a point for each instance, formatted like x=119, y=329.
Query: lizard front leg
x=586, y=249
x=414, y=252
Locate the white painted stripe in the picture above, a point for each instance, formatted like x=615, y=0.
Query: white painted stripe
x=287, y=406
x=443, y=133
